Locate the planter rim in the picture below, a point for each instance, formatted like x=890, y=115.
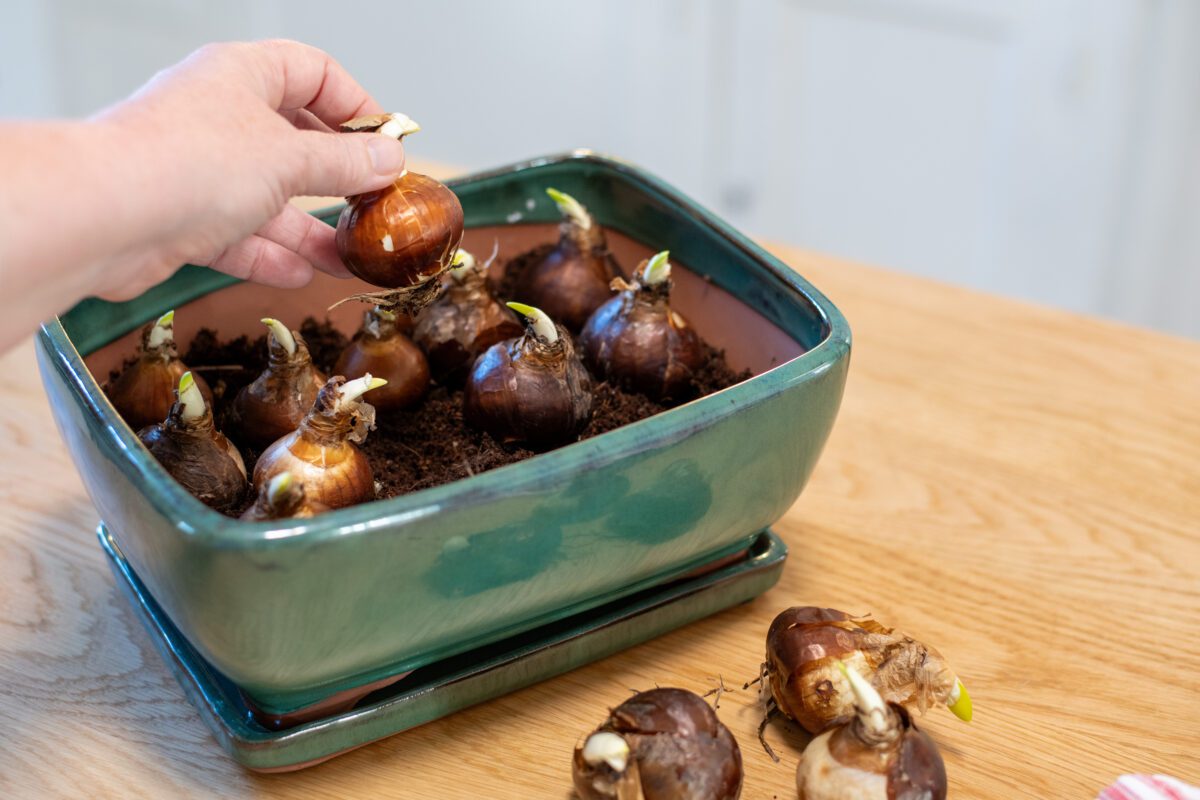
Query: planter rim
x=193, y=518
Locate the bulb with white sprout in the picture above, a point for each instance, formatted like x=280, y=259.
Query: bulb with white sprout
x=197, y=455
x=322, y=453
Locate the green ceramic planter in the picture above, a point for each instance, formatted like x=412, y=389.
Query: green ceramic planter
x=297, y=612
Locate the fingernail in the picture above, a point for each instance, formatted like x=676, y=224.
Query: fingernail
x=387, y=155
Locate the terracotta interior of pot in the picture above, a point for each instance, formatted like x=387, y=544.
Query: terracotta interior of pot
x=749, y=340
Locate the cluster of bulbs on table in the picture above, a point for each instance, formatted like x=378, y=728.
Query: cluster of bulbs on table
x=849, y=681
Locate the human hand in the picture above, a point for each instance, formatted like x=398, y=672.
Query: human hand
x=223, y=140
x=196, y=167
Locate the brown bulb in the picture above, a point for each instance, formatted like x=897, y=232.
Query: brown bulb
x=878, y=755
x=465, y=321
x=532, y=390
x=283, y=497
x=321, y=453
x=805, y=643
x=282, y=394
x=145, y=390
x=636, y=341
x=572, y=280
x=194, y=452
x=664, y=744
x=403, y=236
x=380, y=349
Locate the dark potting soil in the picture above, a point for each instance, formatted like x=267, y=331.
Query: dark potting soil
x=429, y=445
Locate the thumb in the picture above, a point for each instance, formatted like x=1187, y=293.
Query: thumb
x=345, y=163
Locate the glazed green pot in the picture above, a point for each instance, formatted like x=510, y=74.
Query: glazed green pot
x=294, y=612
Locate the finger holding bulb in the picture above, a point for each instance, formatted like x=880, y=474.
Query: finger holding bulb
x=401, y=237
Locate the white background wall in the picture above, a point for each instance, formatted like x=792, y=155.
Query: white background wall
x=1045, y=149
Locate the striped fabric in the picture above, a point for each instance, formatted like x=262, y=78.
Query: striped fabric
x=1149, y=787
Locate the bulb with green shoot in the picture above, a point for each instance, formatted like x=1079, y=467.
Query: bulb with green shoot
x=194, y=452
x=283, y=497
x=531, y=390
x=145, y=390
x=879, y=754
x=571, y=280
x=637, y=341
x=464, y=321
x=804, y=645
x=322, y=453
x=282, y=394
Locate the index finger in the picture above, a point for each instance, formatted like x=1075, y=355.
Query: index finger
x=299, y=76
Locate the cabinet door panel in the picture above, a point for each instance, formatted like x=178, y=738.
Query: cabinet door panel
x=982, y=144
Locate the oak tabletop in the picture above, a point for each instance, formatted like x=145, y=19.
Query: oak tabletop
x=1018, y=486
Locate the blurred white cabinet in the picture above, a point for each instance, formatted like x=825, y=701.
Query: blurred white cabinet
x=1045, y=149
x=497, y=82
x=991, y=144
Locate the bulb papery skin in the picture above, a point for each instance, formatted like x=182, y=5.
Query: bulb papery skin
x=573, y=278
x=846, y=763
x=529, y=392
x=295, y=504
x=379, y=348
x=275, y=403
x=145, y=390
x=636, y=341
x=805, y=642
x=199, y=457
x=464, y=322
x=678, y=750
x=320, y=455
x=403, y=235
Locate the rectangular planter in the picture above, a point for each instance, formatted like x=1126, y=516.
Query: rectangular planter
x=296, y=611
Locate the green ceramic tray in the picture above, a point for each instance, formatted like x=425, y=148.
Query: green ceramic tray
x=299, y=611
x=444, y=688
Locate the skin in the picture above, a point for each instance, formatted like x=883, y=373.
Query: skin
x=196, y=167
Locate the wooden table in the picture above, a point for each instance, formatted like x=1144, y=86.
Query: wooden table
x=1018, y=486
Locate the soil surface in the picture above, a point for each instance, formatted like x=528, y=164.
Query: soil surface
x=430, y=444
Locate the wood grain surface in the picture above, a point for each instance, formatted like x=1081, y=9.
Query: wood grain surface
x=1018, y=486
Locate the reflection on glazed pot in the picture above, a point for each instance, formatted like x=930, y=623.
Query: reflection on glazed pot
x=472, y=564
x=591, y=495
x=668, y=507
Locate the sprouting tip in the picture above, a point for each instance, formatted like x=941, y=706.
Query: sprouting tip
x=658, y=269
x=279, y=486
x=571, y=208
x=462, y=263
x=543, y=326
x=163, y=330
x=281, y=334
x=399, y=126
x=606, y=747
x=189, y=398
x=959, y=702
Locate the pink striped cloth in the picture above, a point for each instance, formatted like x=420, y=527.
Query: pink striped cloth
x=1149, y=787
